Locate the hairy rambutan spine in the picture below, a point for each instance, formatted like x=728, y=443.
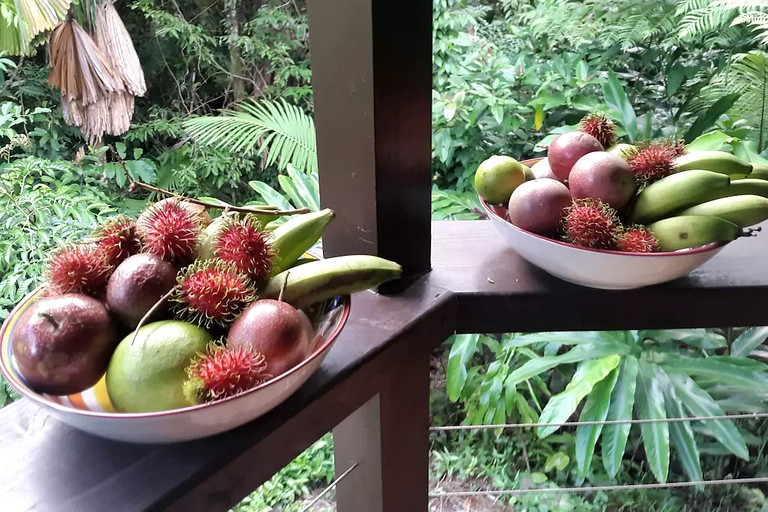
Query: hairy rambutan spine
x=78, y=268
x=117, y=239
x=171, y=230
x=243, y=243
x=652, y=161
x=637, y=238
x=224, y=371
x=600, y=127
x=591, y=223
x=211, y=291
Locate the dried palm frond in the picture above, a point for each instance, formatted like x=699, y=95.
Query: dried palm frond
x=78, y=68
x=22, y=20
x=114, y=41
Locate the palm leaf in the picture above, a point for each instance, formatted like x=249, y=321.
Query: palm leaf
x=22, y=20
x=281, y=131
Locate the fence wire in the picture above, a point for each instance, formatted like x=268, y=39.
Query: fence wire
x=606, y=422
x=597, y=488
x=330, y=486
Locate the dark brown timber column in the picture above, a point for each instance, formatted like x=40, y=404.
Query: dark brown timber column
x=372, y=80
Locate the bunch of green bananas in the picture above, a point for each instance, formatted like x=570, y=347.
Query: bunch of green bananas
x=303, y=282
x=713, y=197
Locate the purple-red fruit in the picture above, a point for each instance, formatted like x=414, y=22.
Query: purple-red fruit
x=541, y=169
x=603, y=176
x=277, y=330
x=137, y=284
x=538, y=206
x=566, y=149
x=62, y=343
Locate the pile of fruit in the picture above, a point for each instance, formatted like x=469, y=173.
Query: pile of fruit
x=175, y=309
x=591, y=191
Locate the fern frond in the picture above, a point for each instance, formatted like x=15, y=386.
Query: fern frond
x=699, y=23
x=758, y=21
x=687, y=6
x=284, y=133
x=742, y=5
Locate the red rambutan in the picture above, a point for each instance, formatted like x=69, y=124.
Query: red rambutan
x=197, y=210
x=651, y=162
x=224, y=371
x=600, y=127
x=117, y=238
x=211, y=291
x=243, y=243
x=591, y=223
x=79, y=268
x=637, y=239
x=170, y=230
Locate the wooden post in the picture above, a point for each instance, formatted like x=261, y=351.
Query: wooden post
x=389, y=439
x=372, y=80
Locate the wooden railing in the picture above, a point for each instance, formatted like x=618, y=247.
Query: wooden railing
x=371, y=63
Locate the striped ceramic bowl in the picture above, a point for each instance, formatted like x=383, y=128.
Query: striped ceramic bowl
x=91, y=410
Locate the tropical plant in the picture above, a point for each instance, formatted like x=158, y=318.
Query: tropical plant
x=651, y=375
x=300, y=189
x=281, y=131
x=24, y=20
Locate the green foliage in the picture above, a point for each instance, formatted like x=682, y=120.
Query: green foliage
x=43, y=204
x=282, y=132
x=655, y=374
x=313, y=468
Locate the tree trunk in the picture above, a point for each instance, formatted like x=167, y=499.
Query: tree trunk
x=235, y=61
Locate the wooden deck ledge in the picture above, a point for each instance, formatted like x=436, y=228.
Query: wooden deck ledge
x=476, y=285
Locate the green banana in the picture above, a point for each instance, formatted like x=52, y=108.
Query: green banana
x=688, y=231
x=759, y=171
x=743, y=187
x=716, y=161
x=743, y=211
x=296, y=236
x=675, y=192
x=322, y=279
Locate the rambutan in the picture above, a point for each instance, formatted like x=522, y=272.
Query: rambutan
x=118, y=240
x=637, y=238
x=78, y=268
x=211, y=291
x=224, y=371
x=600, y=127
x=243, y=243
x=591, y=223
x=170, y=230
x=197, y=210
x=652, y=161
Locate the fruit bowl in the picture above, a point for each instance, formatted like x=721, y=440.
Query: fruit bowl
x=597, y=268
x=91, y=410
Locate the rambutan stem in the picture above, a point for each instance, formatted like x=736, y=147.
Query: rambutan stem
x=50, y=319
x=151, y=311
x=282, y=287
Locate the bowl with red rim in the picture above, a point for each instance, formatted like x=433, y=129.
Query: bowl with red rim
x=92, y=411
x=597, y=268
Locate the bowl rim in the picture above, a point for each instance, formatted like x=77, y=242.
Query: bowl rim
x=9, y=322
x=681, y=252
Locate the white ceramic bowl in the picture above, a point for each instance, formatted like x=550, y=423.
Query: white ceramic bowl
x=598, y=268
x=92, y=411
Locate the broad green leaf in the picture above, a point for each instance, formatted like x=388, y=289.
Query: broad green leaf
x=675, y=78
x=595, y=409
x=582, y=71
x=649, y=404
x=748, y=341
x=710, y=117
x=718, y=370
x=622, y=402
x=564, y=337
x=699, y=338
x=616, y=98
x=712, y=141
x=698, y=402
x=538, y=117
x=680, y=432
x=304, y=188
x=270, y=195
x=557, y=461
x=579, y=353
x=449, y=111
x=462, y=350
x=561, y=406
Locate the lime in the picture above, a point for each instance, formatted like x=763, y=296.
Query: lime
x=528, y=173
x=623, y=150
x=497, y=177
x=147, y=374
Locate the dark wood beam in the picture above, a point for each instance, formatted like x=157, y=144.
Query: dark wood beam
x=372, y=80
